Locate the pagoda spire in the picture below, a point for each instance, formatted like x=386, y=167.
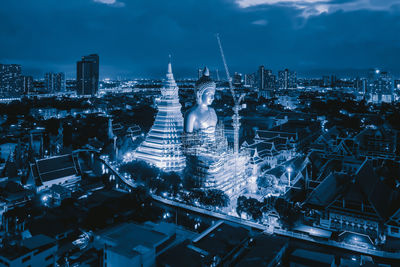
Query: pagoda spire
x=170, y=75
x=169, y=64
x=170, y=88
x=162, y=146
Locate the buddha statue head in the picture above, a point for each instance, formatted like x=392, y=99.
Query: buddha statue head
x=205, y=89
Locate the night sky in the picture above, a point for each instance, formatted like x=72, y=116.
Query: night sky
x=133, y=38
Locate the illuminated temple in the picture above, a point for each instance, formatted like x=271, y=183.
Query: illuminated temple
x=162, y=146
x=210, y=162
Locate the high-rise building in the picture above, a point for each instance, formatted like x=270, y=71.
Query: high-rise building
x=250, y=79
x=162, y=146
x=287, y=79
x=325, y=81
x=360, y=85
x=27, y=84
x=237, y=79
x=199, y=73
x=270, y=80
x=39, y=86
x=10, y=80
x=87, y=75
x=334, y=81
x=54, y=82
x=266, y=82
x=70, y=85
x=380, y=86
x=261, y=78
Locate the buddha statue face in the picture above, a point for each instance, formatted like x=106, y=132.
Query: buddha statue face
x=207, y=97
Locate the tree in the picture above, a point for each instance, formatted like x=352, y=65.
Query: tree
x=216, y=198
x=173, y=182
x=140, y=171
x=288, y=212
x=250, y=206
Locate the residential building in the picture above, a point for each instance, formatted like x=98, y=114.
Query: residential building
x=11, y=82
x=54, y=82
x=287, y=79
x=134, y=245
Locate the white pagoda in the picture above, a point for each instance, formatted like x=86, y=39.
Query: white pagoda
x=162, y=146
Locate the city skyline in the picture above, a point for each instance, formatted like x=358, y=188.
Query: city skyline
x=200, y=133
x=133, y=39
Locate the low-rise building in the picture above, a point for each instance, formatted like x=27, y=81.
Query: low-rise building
x=132, y=244
x=219, y=245
x=302, y=257
x=264, y=250
x=367, y=203
x=58, y=170
x=37, y=251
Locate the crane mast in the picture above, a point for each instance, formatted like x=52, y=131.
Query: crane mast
x=236, y=100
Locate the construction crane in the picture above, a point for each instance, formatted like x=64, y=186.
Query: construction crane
x=237, y=100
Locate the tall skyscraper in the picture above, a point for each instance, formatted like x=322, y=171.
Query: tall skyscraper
x=54, y=82
x=250, y=79
x=380, y=86
x=266, y=82
x=287, y=79
x=11, y=82
x=261, y=78
x=87, y=75
x=163, y=147
x=270, y=80
x=27, y=84
x=237, y=79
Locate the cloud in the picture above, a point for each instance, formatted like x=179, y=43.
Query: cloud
x=114, y=3
x=318, y=7
x=135, y=41
x=261, y=22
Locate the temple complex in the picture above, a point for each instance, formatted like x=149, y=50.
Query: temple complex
x=210, y=162
x=162, y=146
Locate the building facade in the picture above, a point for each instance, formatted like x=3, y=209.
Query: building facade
x=87, y=75
x=380, y=86
x=287, y=79
x=54, y=82
x=11, y=82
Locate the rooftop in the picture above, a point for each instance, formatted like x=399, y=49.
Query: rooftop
x=310, y=257
x=40, y=242
x=182, y=255
x=131, y=239
x=222, y=239
x=263, y=250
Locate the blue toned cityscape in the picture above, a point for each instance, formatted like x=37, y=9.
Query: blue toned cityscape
x=200, y=133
